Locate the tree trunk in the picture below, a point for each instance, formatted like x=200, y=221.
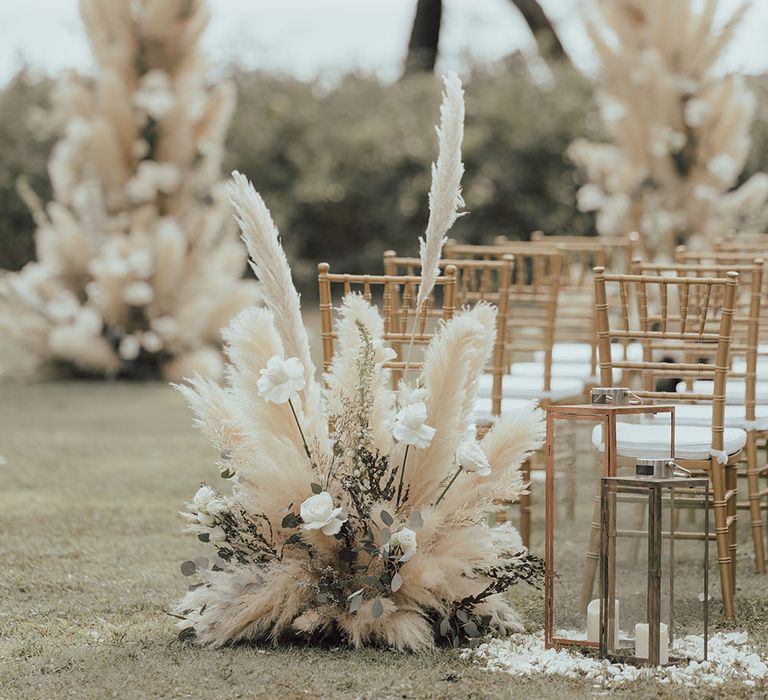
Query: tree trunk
x=425, y=36
x=543, y=31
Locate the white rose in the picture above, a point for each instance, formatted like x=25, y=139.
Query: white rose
x=138, y=293
x=318, y=512
x=406, y=539
x=471, y=458
x=410, y=426
x=205, y=494
x=280, y=379
x=216, y=506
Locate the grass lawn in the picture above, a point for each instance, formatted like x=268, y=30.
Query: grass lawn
x=90, y=546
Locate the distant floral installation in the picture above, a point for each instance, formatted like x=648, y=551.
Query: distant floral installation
x=137, y=265
x=358, y=512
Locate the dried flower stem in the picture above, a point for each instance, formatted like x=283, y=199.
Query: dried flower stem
x=301, y=432
x=445, y=490
x=402, y=474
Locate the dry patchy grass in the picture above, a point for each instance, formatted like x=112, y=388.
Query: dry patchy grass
x=90, y=545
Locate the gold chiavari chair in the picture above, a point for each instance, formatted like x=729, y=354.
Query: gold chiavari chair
x=489, y=281
x=476, y=281
x=671, y=315
x=397, y=296
x=746, y=396
x=575, y=349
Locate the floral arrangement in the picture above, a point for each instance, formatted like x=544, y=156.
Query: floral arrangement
x=138, y=267
x=358, y=513
x=680, y=131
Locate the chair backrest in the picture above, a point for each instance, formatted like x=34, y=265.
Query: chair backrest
x=747, y=305
x=397, y=295
x=743, y=243
x=738, y=260
x=476, y=281
x=533, y=297
x=678, y=323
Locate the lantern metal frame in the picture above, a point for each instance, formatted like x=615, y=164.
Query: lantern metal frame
x=611, y=487
x=599, y=412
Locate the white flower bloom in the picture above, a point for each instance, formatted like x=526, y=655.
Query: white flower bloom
x=406, y=539
x=590, y=197
x=141, y=262
x=724, y=168
x=696, y=112
x=138, y=293
x=152, y=342
x=130, y=347
x=318, y=512
x=154, y=95
x=410, y=426
x=205, y=494
x=280, y=379
x=216, y=506
x=88, y=321
x=62, y=307
x=471, y=458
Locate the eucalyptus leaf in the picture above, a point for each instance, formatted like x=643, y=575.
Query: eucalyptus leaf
x=228, y=473
x=397, y=582
x=188, y=568
x=386, y=518
x=316, y=488
x=471, y=629
x=462, y=615
x=415, y=521
x=204, y=537
x=355, y=603
x=377, y=609
x=385, y=536
x=444, y=626
x=358, y=592
x=372, y=581
x=186, y=633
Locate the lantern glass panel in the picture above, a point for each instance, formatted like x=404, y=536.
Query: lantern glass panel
x=581, y=450
x=655, y=565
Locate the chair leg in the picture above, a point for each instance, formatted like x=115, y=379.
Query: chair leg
x=525, y=505
x=753, y=484
x=731, y=481
x=717, y=475
x=593, y=555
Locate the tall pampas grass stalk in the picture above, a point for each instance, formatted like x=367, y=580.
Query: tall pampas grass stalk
x=271, y=267
x=445, y=198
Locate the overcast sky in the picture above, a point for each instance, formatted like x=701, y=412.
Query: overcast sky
x=323, y=38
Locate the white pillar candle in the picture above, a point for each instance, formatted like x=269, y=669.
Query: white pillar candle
x=593, y=621
x=642, y=642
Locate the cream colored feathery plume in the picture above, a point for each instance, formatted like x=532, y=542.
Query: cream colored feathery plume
x=445, y=194
x=271, y=267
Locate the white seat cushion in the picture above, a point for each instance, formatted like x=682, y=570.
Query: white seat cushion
x=483, y=408
x=701, y=414
x=735, y=390
x=581, y=353
x=647, y=441
x=532, y=387
x=573, y=370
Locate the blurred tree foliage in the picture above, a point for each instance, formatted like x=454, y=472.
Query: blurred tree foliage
x=346, y=171
x=25, y=145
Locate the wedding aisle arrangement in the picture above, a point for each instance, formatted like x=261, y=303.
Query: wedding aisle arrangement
x=138, y=267
x=680, y=131
x=358, y=512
